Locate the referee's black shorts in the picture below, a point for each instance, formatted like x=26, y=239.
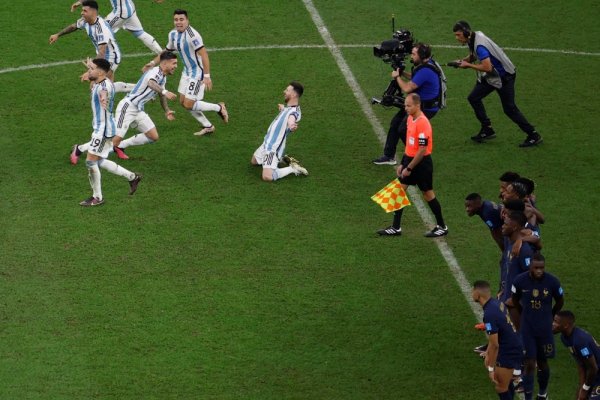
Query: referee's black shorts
x=421, y=175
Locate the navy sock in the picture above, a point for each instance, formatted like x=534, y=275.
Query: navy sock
x=543, y=376
x=528, y=385
x=511, y=389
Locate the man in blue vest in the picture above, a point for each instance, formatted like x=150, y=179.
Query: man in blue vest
x=495, y=72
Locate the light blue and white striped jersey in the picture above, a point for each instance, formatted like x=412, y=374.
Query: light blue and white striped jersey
x=123, y=8
x=278, y=130
x=142, y=93
x=103, y=118
x=101, y=33
x=187, y=43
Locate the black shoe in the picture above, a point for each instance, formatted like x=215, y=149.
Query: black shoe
x=532, y=140
x=390, y=231
x=384, y=160
x=485, y=133
x=133, y=184
x=480, y=349
x=438, y=231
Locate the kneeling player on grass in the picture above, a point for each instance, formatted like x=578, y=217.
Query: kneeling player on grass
x=103, y=93
x=271, y=151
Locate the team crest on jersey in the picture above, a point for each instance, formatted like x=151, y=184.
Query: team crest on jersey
x=100, y=38
x=585, y=352
x=489, y=223
x=535, y=293
x=546, y=292
x=196, y=42
x=528, y=261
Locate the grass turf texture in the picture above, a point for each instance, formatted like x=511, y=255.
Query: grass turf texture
x=211, y=284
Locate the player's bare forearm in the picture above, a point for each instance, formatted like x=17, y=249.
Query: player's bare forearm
x=152, y=84
x=101, y=51
x=69, y=29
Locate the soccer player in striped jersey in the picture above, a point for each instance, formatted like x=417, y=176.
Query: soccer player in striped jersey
x=131, y=108
x=271, y=151
x=102, y=37
x=124, y=15
x=195, y=77
x=103, y=123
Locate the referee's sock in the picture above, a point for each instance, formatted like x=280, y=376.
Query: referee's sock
x=397, y=218
x=436, y=209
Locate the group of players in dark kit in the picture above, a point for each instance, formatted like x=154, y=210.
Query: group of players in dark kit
x=522, y=317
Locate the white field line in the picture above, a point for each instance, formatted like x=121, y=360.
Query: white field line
x=367, y=109
x=294, y=46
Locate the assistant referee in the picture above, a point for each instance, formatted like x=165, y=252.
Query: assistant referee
x=416, y=167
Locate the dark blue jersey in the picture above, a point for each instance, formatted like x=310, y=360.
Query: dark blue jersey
x=536, y=298
x=490, y=214
x=497, y=320
x=582, y=345
x=483, y=53
x=513, y=266
x=428, y=84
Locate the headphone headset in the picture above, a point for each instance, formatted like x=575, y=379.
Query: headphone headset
x=424, y=51
x=464, y=27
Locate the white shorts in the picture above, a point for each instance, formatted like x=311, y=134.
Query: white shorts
x=113, y=66
x=132, y=23
x=128, y=115
x=191, y=88
x=100, y=145
x=268, y=159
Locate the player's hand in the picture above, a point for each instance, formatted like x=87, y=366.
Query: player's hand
x=53, y=38
x=292, y=126
x=492, y=375
x=75, y=5
x=85, y=76
x=171, y=96
x=399, y=171
x=280, y=107
x=88, y=63
x=207, y=82
x=170, y=115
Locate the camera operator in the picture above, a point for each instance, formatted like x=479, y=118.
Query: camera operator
x=495, y=72
x=424, y=81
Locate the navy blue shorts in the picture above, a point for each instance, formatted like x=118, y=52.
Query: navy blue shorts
x=537, y=345
x=510, y=361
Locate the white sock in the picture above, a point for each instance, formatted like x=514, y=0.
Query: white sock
x=84, y=147
x=150, y=42
x=200, y=117
x=137, y=140
x=123, y=87
x=95, y=178
x=200, y=105
x=116, y=169
x=282, y=173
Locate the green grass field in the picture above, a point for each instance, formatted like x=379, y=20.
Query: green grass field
x=210, y=284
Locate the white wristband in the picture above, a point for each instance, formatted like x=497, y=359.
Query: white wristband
x=585, y=387
x=491, y=369
x=152, y=62
x=164, y=92
x=207, y=75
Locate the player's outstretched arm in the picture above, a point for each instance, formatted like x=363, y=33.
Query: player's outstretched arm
x=67, y=30
x=206, y=66
x=291, y=123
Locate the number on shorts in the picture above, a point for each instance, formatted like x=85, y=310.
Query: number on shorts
x=269, y=158
x=191, y=88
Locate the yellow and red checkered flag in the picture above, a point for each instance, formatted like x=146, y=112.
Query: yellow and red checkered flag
x=392, y=197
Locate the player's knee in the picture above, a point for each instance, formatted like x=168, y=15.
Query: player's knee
x=90, y=163
x=267, y=175
x=188, y=104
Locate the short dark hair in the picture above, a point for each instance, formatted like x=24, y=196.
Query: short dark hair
x=566, y=314
x=298, y=88
x=528, y=183
x=518, y=217
x=90, y=3
x=481, y=285
x=101, y=63
x=519, y=188
x=473, y=196
x=537, y=256
x=167, y=55
x=509, y=176
x=179, y=11
x=515, y=205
